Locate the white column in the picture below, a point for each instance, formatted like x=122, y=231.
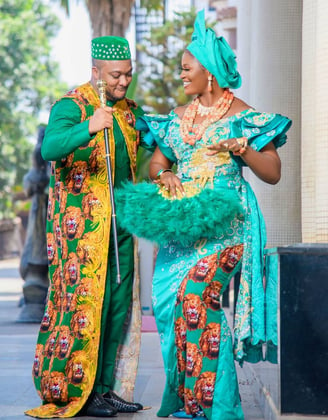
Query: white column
x=244, y=23
x=315, y=121
x=270, y=33
x=146, y=271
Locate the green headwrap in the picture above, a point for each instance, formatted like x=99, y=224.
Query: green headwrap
x=110, y=48
x=214, y=53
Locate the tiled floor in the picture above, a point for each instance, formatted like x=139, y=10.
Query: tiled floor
x=17, y=342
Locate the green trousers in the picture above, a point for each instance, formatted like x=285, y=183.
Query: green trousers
x=116, y=303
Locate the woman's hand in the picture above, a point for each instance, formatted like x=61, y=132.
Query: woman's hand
x=160, y=173
x=235, y=145
x=265, y=163
x=171, y=183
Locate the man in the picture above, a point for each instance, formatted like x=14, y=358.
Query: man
x=78, y=359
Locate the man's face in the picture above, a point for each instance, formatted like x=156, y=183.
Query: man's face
x=117, y=75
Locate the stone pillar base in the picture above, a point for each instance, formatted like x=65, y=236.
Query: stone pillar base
x=31, y=313
x=34, y=294
x=254, y=374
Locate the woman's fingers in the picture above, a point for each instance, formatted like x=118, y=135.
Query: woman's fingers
x=234, y=145
x=172, y=183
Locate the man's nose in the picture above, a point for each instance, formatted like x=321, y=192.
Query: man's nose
x=124, y=81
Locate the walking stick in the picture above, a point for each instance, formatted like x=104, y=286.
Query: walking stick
x=101, y=85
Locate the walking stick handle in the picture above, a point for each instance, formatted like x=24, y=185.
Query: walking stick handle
x=101, y=85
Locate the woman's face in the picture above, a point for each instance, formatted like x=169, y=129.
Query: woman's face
x=193, y=75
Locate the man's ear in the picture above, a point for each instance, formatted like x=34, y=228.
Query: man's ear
x=95, y=72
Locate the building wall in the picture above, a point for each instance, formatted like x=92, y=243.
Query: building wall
x=282, y=54
x=269, y=45
x=315, y=121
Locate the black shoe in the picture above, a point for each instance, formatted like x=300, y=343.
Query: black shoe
x=121, y=405
x=96, y=406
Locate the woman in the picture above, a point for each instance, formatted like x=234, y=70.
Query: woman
x=206, y=220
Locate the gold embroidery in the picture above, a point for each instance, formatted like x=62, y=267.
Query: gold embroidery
x=203, y=166
x=123, y=114
x=200, y=246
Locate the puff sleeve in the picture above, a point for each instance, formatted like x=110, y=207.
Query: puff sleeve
x=261, y=129
x=155, y=130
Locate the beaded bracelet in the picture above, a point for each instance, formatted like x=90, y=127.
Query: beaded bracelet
x=161, y=171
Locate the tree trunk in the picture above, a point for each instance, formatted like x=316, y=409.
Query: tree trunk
x=109, y=17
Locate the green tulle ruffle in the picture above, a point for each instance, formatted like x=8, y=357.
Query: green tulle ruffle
x=145, y=213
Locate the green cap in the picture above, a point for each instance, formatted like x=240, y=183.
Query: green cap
x=110, y=48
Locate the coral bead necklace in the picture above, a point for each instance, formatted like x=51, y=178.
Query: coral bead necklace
x=191, y=133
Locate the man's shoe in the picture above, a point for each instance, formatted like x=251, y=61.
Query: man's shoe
x=96, y=406
x=121, y=405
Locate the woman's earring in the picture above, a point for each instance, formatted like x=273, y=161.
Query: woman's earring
x=210, y=81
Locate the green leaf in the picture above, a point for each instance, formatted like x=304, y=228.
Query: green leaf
x=29, y=84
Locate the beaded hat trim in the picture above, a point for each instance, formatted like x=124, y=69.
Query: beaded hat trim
x=110, y=48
